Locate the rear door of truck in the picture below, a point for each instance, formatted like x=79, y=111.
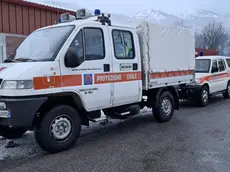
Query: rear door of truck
x=126, y=66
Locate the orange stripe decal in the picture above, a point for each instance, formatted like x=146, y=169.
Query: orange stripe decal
x=157, y=75
x=71, y=80
x=117, y=77
x=56, y=81
x=46, y=82
x=213, y=77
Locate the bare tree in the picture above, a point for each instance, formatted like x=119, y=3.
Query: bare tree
x=199, y=41
x=212, y=36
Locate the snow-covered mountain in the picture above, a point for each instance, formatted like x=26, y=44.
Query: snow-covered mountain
x=195, y=19
x=196, y=14
x=155, y=16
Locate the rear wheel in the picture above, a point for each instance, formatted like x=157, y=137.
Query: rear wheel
x=59, y=129
x=203, y=97
x=11, y=133
x=165, y=107
x=226, y=94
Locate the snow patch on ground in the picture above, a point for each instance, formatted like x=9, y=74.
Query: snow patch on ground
x=28, y=147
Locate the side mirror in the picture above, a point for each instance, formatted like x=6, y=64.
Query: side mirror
x=72, y=59
x=215, y=69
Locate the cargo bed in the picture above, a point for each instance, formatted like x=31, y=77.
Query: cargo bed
x=168, y=55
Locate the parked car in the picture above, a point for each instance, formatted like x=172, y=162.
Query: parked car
x=212, y=77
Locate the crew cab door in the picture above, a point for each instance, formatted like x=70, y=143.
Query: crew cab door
x=92, y=45
x=127, y=85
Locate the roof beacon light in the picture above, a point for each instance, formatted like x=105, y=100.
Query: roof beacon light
x=83, y=13
x=66, y=17
x=97, y=12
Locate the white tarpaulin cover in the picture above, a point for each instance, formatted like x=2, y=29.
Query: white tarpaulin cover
x=166, y=48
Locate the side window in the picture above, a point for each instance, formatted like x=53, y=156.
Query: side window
x=214, y=66
x=94, y=44
x=123, y=44
x=228, y=62
x=78, y=45
x=221, y=65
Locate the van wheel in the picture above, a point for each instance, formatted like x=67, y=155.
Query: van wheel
x=59, y=129
x=203, y=97
x=165, y=107
x=226, y=94
x=11, y=133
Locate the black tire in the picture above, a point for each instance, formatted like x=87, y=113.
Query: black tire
x=226, y=94
x=160, y=114
x=202, y=98
x=11, y=133
x=59, y=116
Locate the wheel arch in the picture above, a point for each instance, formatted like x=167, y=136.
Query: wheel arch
x=206, y=85
x=155, y=94
x=72, y=99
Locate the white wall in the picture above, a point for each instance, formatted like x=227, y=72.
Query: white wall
x=3, y=46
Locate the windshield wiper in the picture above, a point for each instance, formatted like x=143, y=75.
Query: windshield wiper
x=24, y=59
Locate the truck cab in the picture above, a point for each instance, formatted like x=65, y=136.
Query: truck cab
x=212, y=77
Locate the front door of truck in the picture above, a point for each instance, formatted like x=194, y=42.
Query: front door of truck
x=89, y=79
x=126, y=78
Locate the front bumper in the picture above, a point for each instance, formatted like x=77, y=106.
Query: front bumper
x=19, y=112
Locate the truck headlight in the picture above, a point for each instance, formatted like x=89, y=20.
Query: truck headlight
x=20, y=84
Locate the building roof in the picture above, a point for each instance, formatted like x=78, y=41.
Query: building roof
x=41, y=6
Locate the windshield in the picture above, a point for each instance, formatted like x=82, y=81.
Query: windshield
x=202, y=65
x=42, y=45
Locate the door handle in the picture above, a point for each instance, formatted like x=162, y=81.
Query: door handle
x=135, y=66
x=106, y=67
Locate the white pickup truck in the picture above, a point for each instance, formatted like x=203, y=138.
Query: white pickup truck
x=63, y=75
x=212, y=78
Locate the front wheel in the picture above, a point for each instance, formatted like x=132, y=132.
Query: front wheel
x=165, y=107
x=11, y=133
x=59, y=129
x=203, y=97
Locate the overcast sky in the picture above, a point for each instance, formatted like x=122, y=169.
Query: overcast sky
x=129, y=7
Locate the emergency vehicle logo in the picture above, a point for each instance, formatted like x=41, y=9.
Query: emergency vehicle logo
x=88, y=79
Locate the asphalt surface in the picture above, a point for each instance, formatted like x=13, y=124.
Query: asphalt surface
x=195, y=140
